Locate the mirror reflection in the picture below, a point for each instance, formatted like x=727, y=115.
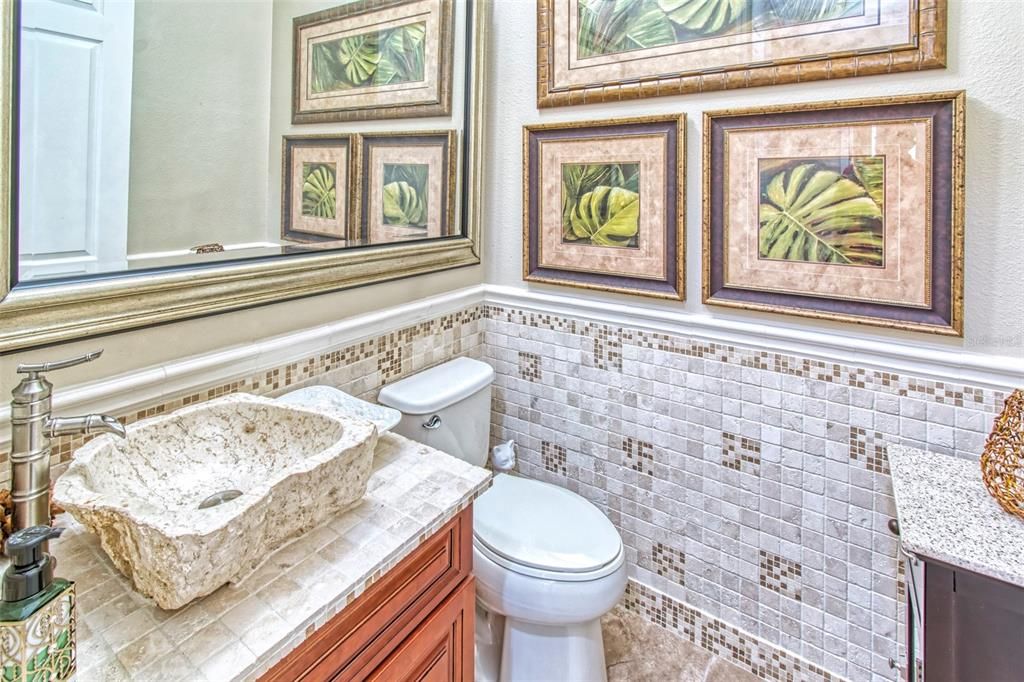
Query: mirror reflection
x=169, y=133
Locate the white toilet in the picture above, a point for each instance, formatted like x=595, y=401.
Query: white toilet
x=548, y=563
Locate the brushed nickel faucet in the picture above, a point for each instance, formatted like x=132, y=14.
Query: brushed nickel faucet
x=32, y=427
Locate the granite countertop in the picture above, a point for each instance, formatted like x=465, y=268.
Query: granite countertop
x=946, y=513
x=241, y=630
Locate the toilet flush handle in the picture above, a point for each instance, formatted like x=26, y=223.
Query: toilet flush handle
x=432, y=423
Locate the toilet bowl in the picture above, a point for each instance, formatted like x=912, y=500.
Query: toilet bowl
x=548, y=563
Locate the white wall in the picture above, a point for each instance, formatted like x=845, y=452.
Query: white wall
x=200, y=120
x=985, y=58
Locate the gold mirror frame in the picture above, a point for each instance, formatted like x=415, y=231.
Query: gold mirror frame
x=64, y=311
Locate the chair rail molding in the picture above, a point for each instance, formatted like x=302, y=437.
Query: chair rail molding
x=151, y=385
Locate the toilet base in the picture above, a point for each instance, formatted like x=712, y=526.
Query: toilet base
x=536, y=653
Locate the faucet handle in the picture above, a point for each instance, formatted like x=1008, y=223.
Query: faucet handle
x=39, y=367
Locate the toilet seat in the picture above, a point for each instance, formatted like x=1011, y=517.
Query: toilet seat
x=544, y=531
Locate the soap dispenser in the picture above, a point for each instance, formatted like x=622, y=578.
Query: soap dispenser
x=37, y=612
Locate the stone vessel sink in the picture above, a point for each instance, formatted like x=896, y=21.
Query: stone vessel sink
x=142, y=495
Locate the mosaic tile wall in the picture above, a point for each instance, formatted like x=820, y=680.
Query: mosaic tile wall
x=750, y=487
x=360, y=369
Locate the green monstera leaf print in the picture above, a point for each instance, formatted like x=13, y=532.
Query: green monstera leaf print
x=319, y=194
x=706, y=17
x=870, y=171
x=403, y=55
x=403, y=205
x=610, y=26
x=789, y=12
x=359, y=55
x=607, y=216
x=812, y=214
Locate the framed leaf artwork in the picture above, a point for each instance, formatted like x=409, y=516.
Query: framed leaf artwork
x=315, y=196
x=610, y=50
x=603, y=205
x=848, y=211
x=406, y=185
x=373, y=59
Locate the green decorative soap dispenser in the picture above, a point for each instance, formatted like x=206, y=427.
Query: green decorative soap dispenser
x=37, y=613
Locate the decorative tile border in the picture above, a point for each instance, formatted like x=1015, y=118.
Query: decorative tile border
x=721, y=639
x=946, y=393
x=765, y=471
x=360, y=368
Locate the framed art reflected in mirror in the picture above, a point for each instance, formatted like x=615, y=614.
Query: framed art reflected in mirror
x=849, y=211
x=315, y=197
x=407, y=188
x=373, y=59
x=142, y=186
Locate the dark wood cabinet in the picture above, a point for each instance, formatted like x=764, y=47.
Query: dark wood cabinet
x=415, y=623
x=963, y=626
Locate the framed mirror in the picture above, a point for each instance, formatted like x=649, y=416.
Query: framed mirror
x=166, y=159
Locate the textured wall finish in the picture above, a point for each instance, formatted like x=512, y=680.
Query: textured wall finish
x=748, y=485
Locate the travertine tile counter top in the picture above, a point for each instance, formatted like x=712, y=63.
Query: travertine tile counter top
x=946, y=513
x=240, y=630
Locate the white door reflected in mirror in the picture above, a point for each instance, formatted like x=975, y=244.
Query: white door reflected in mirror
x=164, y=133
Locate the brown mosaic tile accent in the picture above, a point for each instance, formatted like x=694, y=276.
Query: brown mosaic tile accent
x=607, y=346
x=639, y=455
x=669, y=562
x=529, y=366
x=741, y=453
x=537, y=320
x=869, y=448
x=721, y=639
x=779, y=574
x=554, y=457
x=452, y=334
x=389, y=358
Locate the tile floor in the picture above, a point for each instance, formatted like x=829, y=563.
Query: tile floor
x=639, y=651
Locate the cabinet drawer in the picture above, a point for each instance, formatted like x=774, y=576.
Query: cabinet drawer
x=441, y=650
x=371, y=627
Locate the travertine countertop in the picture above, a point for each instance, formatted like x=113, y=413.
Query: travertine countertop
x=946, y=513
x=241, y=630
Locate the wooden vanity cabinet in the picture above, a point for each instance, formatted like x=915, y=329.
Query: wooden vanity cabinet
x=962, y=626
x=415, y=623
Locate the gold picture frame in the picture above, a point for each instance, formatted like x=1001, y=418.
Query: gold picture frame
x=421, y=193
x=339, y=58
x=923, y=292
x=576, y=72
x=639, y=157
x=317, y=177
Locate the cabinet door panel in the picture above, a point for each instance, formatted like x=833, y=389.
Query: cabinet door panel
x=369, y=629
x=441, y=650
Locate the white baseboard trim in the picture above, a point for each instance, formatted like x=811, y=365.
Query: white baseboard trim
x=149, y=386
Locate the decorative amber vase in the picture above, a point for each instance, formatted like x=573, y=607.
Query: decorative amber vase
x=1002, y=463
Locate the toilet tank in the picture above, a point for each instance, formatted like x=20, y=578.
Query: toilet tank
x=447, y=407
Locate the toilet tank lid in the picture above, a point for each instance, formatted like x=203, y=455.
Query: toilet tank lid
x=438, y=387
